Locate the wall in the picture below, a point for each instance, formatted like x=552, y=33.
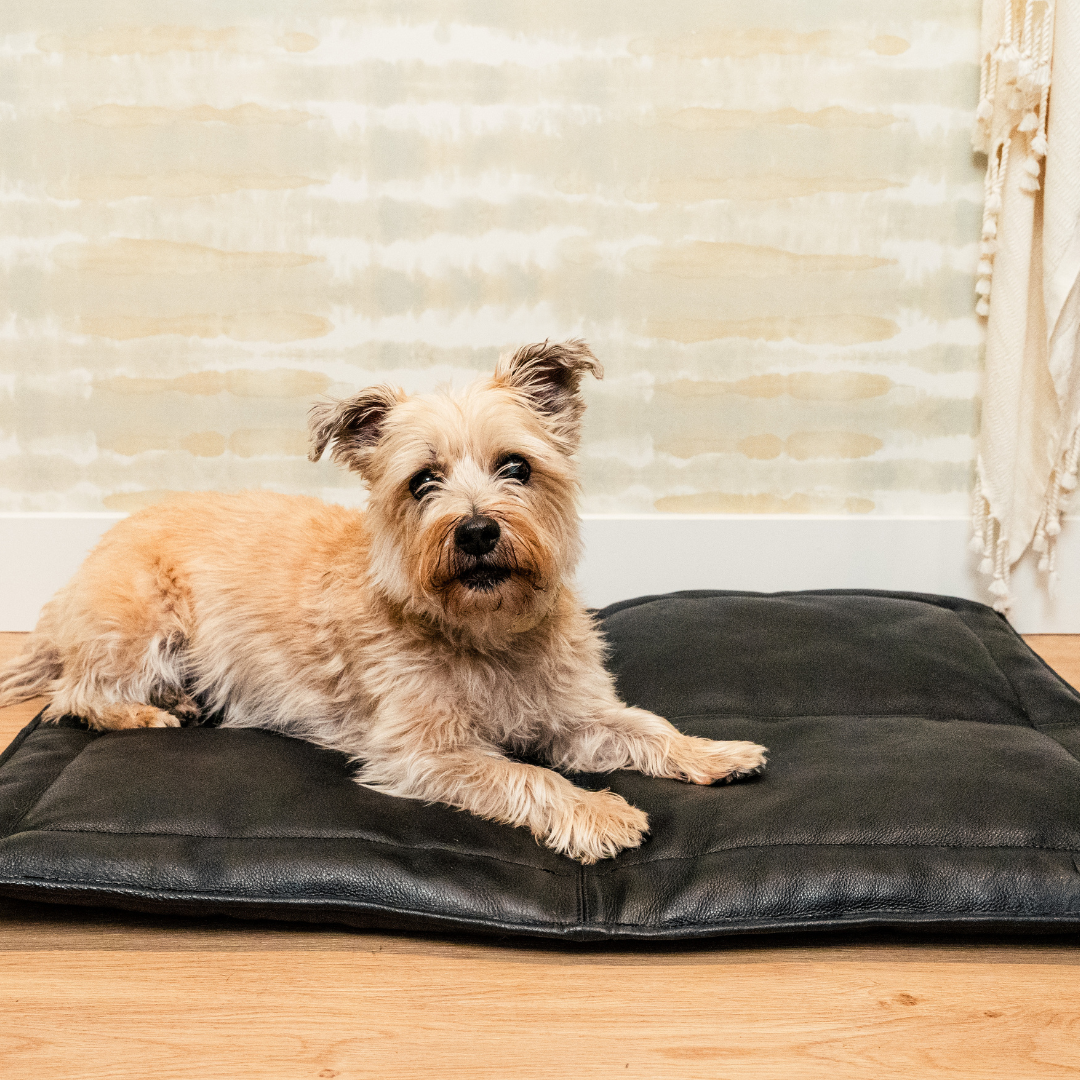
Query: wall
x=762, y=216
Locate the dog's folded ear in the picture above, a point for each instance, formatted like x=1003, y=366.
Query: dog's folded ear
x=354, y=424
x=548, y=376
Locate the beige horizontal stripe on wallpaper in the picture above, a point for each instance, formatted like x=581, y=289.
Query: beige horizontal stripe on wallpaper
x=802, y=445
x=836, y=116
x=135, y=116
x=41, y=348
x=808, y=329
x=180, y=185
x=244, y=442
x=806, y=385
x=132, y=256
x=864, y=477
x=283, y=382
x=770, y=187
x=742, y=143
x=784, y=157
x=196, y=403
x=293, y=442
x=723, y=502
x=157, y=40
x=677, y=191
x=275, y=326
x=767, y=41
x=758, y=85
x=268, y=326
x=693, y=259
x=702, y=258
x=904, y=413
x=401, y=306
x=585, y=227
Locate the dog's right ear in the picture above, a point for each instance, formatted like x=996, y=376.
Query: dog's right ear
x=354, y=424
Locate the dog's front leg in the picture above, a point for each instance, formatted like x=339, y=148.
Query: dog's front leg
x=475, y=776
x=621, y=737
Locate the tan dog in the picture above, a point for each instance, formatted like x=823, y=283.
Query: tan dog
x=426, y=637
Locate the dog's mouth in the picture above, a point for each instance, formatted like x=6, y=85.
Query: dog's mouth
x=484, y=578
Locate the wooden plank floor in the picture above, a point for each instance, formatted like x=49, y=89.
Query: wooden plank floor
x=94, y=994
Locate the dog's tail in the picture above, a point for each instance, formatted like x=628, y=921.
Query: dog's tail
x=30, y=675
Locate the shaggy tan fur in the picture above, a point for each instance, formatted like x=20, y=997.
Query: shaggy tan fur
x=379, y=633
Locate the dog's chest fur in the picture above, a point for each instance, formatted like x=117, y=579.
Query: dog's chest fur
x=353, y=655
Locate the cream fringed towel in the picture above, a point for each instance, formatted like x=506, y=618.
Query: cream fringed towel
x=1029, y=126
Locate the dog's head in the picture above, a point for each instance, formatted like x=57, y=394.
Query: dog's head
x=473, y=508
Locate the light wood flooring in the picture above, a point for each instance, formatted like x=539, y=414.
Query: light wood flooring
x=94, y=994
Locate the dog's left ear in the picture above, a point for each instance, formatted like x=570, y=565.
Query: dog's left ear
x=355, y=424
x=549, y=377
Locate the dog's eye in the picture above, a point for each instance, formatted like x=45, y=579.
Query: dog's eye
x=423, y=483
x=513, y=467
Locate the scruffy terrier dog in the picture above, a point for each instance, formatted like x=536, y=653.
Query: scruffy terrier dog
x=428, y=637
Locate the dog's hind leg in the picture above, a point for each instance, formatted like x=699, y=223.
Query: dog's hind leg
x=119, y=632
x=115, y=682
x=39, y=671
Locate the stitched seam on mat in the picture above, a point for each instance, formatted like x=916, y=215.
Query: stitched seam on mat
x=197, y=894
x=1040, y=729
x=796, y=920
x=1057, y=678
x=1001, y=671
x=268, y=839
x=1058, y=742
x=90, y=884
x=556, y=873
x=14, y=827
x=941, y=718
x=881, y=847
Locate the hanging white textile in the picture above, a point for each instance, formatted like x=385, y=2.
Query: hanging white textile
x=1029, y=127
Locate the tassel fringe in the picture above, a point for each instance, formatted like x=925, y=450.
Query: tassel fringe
x=1014, y=85
x=987, y=538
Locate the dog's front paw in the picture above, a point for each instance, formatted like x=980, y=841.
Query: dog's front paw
x=705, y=761
x=598, y=825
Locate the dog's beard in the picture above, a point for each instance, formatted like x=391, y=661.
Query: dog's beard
x=484, y=576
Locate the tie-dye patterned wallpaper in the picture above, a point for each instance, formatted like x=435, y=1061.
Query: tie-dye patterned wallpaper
x=763, y=216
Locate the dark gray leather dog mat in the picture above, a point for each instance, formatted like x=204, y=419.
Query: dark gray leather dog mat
x=922, y=773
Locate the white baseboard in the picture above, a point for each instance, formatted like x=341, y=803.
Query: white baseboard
x=633, y=555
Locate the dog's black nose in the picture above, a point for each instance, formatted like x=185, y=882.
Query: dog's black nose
x=478, y=535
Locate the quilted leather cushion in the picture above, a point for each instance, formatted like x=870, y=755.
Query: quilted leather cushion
x=922, y=772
